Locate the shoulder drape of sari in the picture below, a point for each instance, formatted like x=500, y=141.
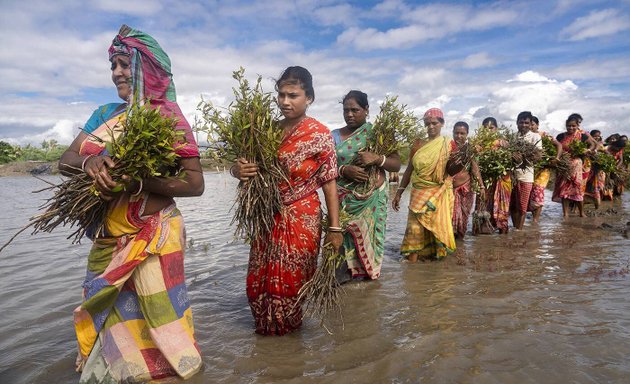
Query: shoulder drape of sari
x=281, y=264
x=364, y=239
x=431, y=200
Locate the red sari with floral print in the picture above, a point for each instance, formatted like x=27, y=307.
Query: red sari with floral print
x=280, y=264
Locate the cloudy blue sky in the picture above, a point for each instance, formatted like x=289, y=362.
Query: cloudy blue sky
x=471, y=58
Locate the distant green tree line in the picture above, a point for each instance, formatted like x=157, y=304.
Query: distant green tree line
x=50, y=150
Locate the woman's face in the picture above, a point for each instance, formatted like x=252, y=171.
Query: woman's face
x=354, y=114
x=434, y=127
x=490, y=125
x=121, y=75
x=460, y=135
x=572, y=127
x=292, y=101
x=534, y=127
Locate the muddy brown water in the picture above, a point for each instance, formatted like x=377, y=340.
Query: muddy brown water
x=548, y=304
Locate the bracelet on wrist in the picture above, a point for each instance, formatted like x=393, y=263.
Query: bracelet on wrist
x=341, y=169
x=232, y=171
x=85, y=161
x=335, y=229
x=383, y=162
x=139, y=191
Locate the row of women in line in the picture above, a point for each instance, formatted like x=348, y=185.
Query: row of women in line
x=135, y=322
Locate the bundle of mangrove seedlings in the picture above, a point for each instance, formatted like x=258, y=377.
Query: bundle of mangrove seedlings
x=493, y=154
x=549, y=153
x=524, y=153
x=604, y=161
x=564, y=167
x=463, y=155
x=323, y=293
x=248, y=128
x=141, y=146
x=577, y=148
x=394, y=127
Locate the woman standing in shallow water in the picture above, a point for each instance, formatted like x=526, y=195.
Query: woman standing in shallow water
x=135, y=323
x=570, y=188
x=364, y=240
x=429, y=233
x=280, y=264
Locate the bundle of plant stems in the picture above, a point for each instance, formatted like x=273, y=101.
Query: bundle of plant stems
x=524, y=153
x=606, y=162
x=141, y=146
x=463, y=155
x=492, y=153
x=549, y=153
x=323, y=293
x=577, y=148
x=563, y=166
x=394, y=127
x=248, y=128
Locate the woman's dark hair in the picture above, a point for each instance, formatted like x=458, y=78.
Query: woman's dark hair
x=524, y=116
x=461, y=124
x=574, y=117
x=488, y=120
x=298, y=75
x=612, y=138
x=595, y=131
x=535, y=120
x=620, y=143
x=360, y=97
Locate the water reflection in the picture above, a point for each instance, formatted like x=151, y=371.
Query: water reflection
x=546, y=304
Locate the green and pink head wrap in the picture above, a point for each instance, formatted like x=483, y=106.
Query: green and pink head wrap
x=151, y=79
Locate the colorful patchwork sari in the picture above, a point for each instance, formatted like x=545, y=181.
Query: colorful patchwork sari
x=135, y=323
x=429, y=230
x=571, y=187
x=281, y=264
x=364, y=240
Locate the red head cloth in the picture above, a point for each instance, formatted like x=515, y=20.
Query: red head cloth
x=434, y=112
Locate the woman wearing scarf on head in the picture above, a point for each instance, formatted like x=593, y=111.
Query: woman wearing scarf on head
x=429, y=233
x=135, y=323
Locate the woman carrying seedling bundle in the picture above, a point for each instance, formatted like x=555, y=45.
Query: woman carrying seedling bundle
x=498, y=195
x=571, y=187
x=364, y=240
x=284, y=260
x=463, y=190
x=552, y=152
x=135, y=323
x=429, y=233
